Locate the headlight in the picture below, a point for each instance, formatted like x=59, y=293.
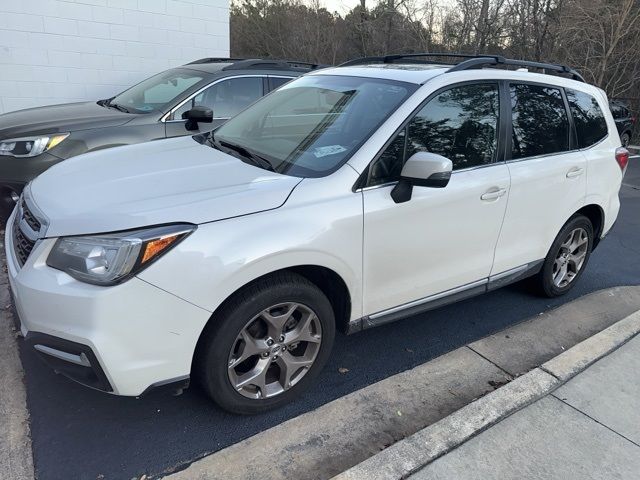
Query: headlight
x=113, y=258
x=30, y=146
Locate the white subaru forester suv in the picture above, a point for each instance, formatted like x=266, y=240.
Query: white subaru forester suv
x=349, y=198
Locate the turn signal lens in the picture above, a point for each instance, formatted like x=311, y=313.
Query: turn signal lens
x=55, y=140
x=154, y=247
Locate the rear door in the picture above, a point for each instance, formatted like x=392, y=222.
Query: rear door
x=276, y=81
x=548, y=174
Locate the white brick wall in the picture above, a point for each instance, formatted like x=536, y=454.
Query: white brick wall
x=57, y=51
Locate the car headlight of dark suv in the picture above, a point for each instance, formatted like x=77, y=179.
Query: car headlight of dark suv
x=30, y=146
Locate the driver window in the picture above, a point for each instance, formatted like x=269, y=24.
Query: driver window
x=460, y=123
x=226, y=98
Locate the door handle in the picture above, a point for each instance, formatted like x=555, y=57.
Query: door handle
x=575, y=172
x=493, y=194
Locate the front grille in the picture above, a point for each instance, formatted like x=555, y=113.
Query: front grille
x=29, y=218
x=22, y=244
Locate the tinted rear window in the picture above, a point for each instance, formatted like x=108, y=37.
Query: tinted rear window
x=540, y=123
x=591, y=126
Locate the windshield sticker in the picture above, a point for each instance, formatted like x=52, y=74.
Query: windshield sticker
x=320, y=152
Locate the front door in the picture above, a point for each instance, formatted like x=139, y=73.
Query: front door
x=442, y=238
x=226, y=98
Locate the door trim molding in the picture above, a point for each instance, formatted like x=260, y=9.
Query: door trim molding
x=447, y=297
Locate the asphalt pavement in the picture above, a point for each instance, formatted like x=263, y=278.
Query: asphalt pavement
x=78, y=433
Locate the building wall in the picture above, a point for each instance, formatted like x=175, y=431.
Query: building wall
x=57, y=51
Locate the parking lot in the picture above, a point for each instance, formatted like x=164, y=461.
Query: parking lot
x=78, y=433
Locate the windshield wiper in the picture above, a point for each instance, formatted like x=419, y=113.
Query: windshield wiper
x=244, y=152
x=119, y=107
x=107, y=103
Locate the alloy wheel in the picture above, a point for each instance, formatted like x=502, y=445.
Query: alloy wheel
x=274, y=350
x=570, y=258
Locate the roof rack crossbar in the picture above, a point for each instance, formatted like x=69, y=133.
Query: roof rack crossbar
x=468, y=62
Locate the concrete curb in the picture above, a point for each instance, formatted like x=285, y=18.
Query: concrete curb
x=411, y=454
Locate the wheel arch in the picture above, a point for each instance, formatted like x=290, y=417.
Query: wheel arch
x=326, y=279
x=595, y=214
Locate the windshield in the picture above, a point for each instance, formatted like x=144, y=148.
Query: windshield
x=312, y=125
x=158, y=92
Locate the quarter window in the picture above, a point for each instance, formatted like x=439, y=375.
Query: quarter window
x=460, y=123
x=540, y=122
x=591, y=126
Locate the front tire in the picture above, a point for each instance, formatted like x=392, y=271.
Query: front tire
x=266, y=345
x=567, y=257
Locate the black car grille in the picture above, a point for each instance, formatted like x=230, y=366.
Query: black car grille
x=22, y=245
x=29, y=218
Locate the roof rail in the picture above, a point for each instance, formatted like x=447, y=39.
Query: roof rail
x=268, y=64
x=410, y=56
x=214, y=60
x=498, y=60
x=468, y=62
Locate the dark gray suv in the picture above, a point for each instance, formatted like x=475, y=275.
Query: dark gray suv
x=185, y=100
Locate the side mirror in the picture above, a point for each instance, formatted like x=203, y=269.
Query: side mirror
x=197, y=114
x=423, y=169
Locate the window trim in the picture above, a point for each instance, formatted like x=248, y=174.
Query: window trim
x=362, y=183
x=166, y=118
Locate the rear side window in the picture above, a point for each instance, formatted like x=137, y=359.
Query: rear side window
x=540, y=122
x=277, y=82
x=588, y=118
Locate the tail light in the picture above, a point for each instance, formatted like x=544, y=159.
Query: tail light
x=622, y=157
x=633, y=119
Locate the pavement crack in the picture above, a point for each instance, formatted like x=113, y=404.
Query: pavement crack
x=508, y=374
x=593, y=419
x=544, y=369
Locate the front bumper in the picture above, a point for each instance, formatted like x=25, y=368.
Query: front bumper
x=15, y=173
x=20, y=171
x=73, y=360
x=123, y=339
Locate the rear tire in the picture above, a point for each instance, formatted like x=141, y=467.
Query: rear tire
x=625, y=139
x=567, y=257
x=266, y=344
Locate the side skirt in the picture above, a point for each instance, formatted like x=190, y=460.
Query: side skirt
x=445, y=298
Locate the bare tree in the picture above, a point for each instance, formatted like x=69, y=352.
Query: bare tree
x=598, y=37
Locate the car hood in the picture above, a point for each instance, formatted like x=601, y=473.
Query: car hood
x=166, y=181
x=60, y=119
